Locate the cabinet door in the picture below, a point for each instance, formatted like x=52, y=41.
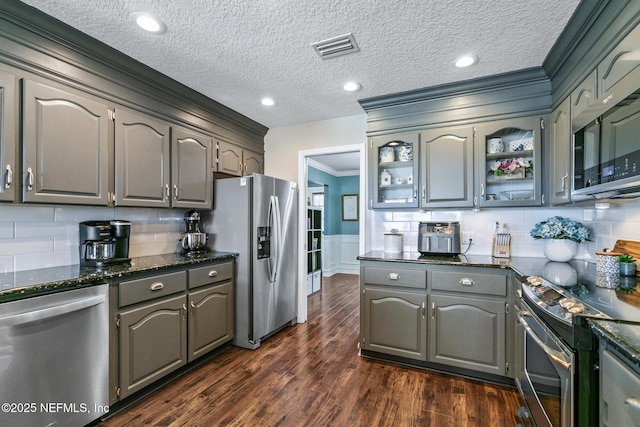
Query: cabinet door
x=229, y=158
x=620, y=392
x=560, y=137
x=584, y=95
x=153, y=343
x=468, y=333
x=393, y=165
x=619, y=71
x=509, y=166
x=66, y=147
x=446, y=162
x=211, y=314
x=394, y=322
x=191, y=173
x=253, y=162
x=142, y=160
x=8, y=137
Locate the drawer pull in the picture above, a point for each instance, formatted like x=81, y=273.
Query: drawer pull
x=633, y=401
x=393, y=276
x=156, y=286
x=465, y=281
x=213, y=273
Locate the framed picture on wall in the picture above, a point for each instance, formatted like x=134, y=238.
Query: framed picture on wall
x=349, y=207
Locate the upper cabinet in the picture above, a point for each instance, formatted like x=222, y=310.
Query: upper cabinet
x=584, y=95
x=446, y=167
x=8, y=138
x=234, y=160
x=620, y=70
x=65, y=146
x=191, y=173
x=142, y=153
x=510, y=162
x=560, y=141
x=393, y=163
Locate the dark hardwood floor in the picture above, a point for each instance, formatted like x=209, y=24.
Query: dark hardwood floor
x=311, y=375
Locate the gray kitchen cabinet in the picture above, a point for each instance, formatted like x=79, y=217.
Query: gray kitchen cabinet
x=468, y=333
x=393, y=168
x=8, y=138
x=211, y=308
x=584, y=95
x=392, y=311
x=253, y=162
x=619, y=391
x=560, y=139
x=516, y=142
x=153, y=343
x=65, y=146
x=191, y=172
x=446, y=167
x=234, y=160
x=394, y=322
x=142, y=160
x=619, y=71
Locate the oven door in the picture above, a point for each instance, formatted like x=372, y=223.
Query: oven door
x=546, y=379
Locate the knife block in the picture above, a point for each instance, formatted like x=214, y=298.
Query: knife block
x=501, y=245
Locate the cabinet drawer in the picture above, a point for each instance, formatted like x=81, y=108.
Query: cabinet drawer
x=149, y=288
x=476, y=283
x=395, y=277
x=210, y=274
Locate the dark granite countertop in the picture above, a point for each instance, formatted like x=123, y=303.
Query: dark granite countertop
x=623, y=336
x=29, y=283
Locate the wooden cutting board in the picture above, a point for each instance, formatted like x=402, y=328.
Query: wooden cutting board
x=629, y=247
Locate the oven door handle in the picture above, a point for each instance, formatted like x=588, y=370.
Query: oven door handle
x=555, y=355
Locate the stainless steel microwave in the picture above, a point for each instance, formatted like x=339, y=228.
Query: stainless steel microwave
x=606, y=151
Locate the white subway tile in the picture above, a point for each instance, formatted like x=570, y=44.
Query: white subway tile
x=77, y=214
x=7, y=230
x=45, y=260
x=26, y=246
x=44, y=229
x=23, y=213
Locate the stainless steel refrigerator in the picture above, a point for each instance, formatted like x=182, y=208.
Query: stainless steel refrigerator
x=256, y=216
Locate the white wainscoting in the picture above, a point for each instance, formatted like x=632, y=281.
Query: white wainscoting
x=339, y=254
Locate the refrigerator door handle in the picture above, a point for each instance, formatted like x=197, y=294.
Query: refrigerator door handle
x=277, y=222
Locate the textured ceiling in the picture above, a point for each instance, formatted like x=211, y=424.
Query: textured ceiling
x=238, y=51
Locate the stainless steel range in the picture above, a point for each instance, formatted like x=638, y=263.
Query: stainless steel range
x=558, y=377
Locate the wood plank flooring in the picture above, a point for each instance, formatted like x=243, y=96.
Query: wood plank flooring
x=311, y=375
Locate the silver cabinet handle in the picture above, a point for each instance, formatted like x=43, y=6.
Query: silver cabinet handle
x=424, y=193
x=184, y=311
x=9, y=180
x=156, y=286
x=167, y=191
x=393, y=276
x=213, y=273
x=192, y=311
x=433, y=310
x=482, y=191
x=465, y=281
x=564, y=182
x=29, y=179
x=175, y=192
x=424, y=310
x=415, y=193
x=633, y=401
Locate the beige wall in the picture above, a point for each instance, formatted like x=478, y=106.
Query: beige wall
x=282, y=144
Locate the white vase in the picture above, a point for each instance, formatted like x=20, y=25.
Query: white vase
x=560, y=250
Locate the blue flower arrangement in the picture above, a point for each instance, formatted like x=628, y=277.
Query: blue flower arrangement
x=558, y=227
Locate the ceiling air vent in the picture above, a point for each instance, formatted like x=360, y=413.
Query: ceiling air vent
x=336, y=46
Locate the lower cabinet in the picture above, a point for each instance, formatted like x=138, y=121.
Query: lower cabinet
x=448, y=317
x=394, y=322
x=619, y=391
x=468, y=333
x=165, y=321
x=153, y=343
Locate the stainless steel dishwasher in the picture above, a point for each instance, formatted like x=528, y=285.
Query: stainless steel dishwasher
x=54, y=359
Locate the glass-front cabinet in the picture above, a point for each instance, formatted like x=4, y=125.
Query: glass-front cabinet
x=394, y=165
x=509, y=163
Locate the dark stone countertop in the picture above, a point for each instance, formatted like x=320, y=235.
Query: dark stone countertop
x=623, y=336
x=24, y=284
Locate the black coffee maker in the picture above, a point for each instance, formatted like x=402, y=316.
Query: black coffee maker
x=104, y=243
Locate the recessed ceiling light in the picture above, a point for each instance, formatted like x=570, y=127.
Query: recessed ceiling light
x=466, y=61
x=267, y=101
x=352, y=86
x=149, y=23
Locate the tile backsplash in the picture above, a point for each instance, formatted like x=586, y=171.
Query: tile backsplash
x=34, y=237
x=620, y=221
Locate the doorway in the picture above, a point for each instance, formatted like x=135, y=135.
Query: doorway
x=328, y=161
